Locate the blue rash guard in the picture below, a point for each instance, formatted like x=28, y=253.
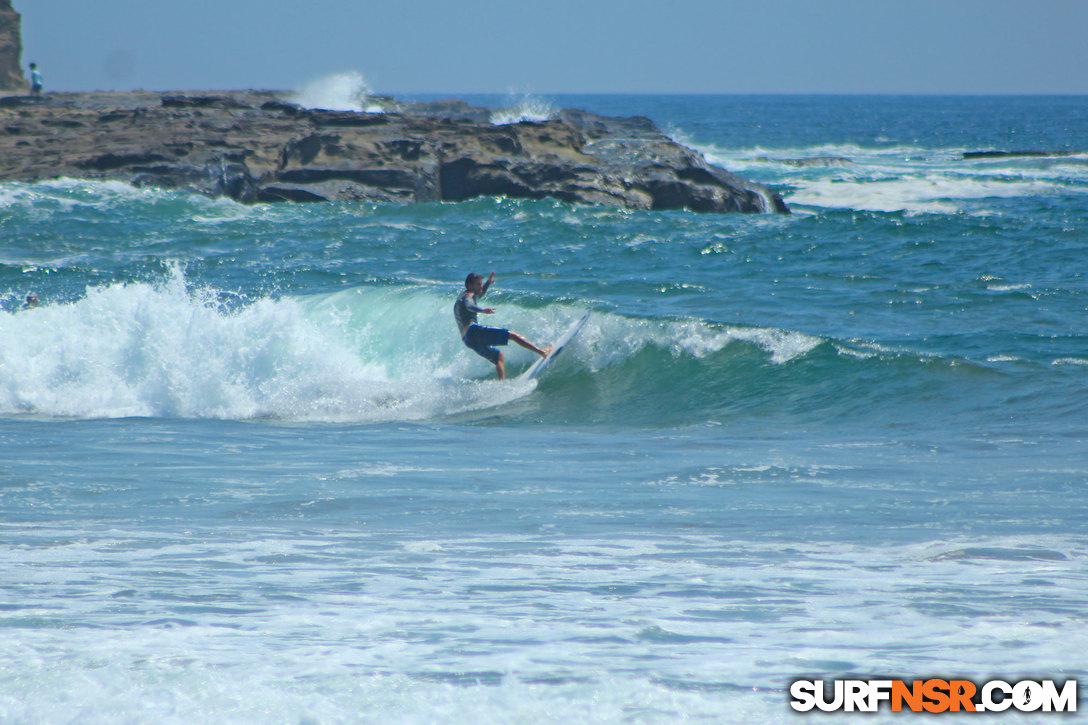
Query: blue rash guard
x=465, y=310
x=475, y=336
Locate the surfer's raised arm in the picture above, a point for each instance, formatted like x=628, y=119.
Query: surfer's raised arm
x=487, y=285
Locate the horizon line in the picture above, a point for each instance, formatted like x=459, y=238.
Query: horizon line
x=394, y=94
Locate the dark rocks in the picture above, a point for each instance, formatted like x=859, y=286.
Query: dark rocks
x=968, y=155
x=254, y=146
x=810, y=162
x=219, y=101
x=110, y=160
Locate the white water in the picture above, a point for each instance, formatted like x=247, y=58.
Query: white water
x=527, y=108
x=347, y=91
x=396, y=627
x=162, y=350
x=900, y=179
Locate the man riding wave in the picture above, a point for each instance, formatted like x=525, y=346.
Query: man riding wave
x=481, y=339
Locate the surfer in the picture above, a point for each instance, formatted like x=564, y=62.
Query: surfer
x=481, y=339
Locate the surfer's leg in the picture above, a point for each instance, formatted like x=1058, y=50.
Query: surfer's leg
x=500, y=367
x=541, y=351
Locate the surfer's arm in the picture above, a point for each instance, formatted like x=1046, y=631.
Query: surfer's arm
x=471, y=306
x=487, y=284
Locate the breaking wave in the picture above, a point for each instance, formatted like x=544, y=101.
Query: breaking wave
x=347, y=91
x=528, y=108
x=899, y=178
x=390, y=353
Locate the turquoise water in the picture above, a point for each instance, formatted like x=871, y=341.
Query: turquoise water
x=249, y=473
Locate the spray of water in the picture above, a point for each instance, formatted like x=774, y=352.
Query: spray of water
x=347, y=91
x=526, y=108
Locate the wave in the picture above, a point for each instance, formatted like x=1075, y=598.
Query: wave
x=68, y=197
x=65, y=194
x=930, y=193
x=166, y=349
x=527, y=108
x=899, y=178
x=346, y=91
x=390, y=353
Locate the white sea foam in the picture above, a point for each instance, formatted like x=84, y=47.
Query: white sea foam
x=897, y=178
x=144, y=349
x=609, y=340
x=808, y=159
x=66, y=193
x=213, y=626
x=347, y=91
x=783, y=345
x=931, y=193
x=527, y=108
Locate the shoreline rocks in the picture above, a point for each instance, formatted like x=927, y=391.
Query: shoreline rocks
x=257, y=146
x=1026, y=153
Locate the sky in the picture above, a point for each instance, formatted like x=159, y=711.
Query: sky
x=564, y=46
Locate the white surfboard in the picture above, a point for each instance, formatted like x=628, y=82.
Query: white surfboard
x=542, y=364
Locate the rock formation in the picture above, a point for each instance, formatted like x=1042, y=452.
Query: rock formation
x=255, y=147
x=968, y=155
x=11, y=48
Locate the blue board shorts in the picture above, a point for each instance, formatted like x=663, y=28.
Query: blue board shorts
x=480, y=339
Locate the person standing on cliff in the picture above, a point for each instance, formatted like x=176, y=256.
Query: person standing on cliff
x=35, y=80
x=481, y=339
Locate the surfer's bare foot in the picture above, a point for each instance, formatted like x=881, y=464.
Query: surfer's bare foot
x=547, y=351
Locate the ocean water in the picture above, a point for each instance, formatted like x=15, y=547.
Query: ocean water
x=248, y=473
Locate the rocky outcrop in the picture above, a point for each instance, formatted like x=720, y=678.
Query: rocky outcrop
x=256, y=147
x=11, y=48
x=968, y=155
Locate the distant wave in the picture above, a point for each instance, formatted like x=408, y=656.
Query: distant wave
x=66, y=193
x=528, y=108
x=900, y=178
x=932, y=194
x=347, y=91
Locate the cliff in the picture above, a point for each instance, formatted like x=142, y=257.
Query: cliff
x=11, y=48
x=254, y=146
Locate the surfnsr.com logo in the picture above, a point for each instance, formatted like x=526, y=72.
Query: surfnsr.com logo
x=933, y=696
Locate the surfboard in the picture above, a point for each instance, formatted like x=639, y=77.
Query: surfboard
x=542, y=364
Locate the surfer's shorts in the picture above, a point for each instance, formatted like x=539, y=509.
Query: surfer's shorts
x=480, y=339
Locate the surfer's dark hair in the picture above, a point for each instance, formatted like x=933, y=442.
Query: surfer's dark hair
x=472, y=277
